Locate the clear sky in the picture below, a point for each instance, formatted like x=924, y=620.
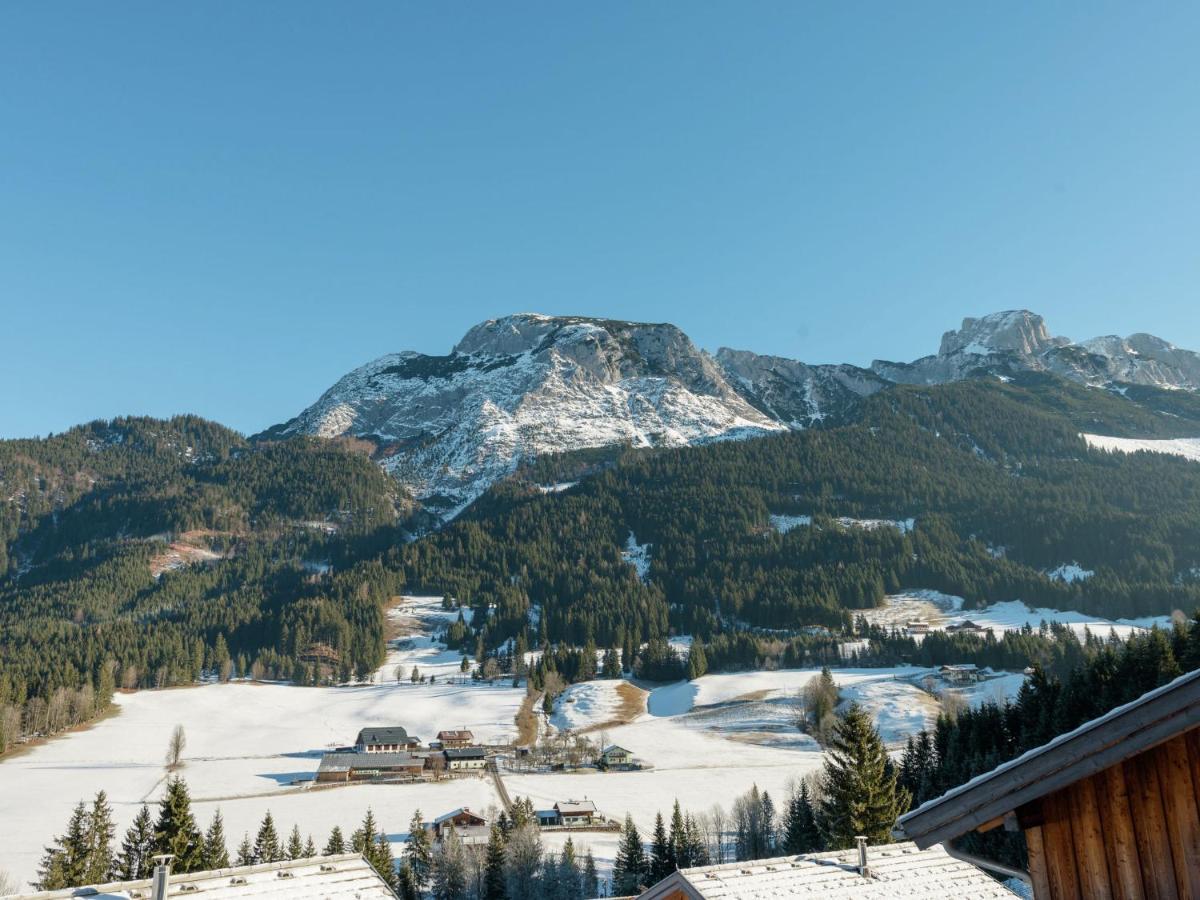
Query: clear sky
x=222, y=207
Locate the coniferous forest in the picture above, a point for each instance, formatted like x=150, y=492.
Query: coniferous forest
x=141, y=553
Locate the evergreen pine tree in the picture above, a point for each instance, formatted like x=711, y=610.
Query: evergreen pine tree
x=137, y=848
x=405, y=888
x=336, y=843
x=245, y=852
x=295, y=844
x=629, y=870
x=417, y=852
x=449, y=870
x=65, y=864
x=216, y=853
x=176, y=831
x=591, y=880
x=100, y=865
x=662, y=858
x=380, y=856
x=493, y=867
x=861, y=796
x=678, y=839
x=310, y=848
x=266, y=842
x=800, y=833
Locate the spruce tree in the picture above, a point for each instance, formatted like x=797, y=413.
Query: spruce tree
x=380, y=856
x=800, y=832
x=176, y=831
x=137, y=848
x=295, y=844
x=100, y=865
x=267, y=848
x=629, y=870
x=493, y=867
x=336, y=843
x=216, y=853
x=662, y=858
x=245, y=853
x=417, y=852
x=65, y=864
x=678, y=839
x=310, y=848
x=591, y=880
x=449, y=874
x=861, y=795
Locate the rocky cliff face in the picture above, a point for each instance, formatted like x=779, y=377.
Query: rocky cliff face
x=449, y=426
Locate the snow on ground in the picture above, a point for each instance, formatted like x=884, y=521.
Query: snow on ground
x=784, y=524
x=1188, y=448
x=941, y=610
x=1070, y=572
x=638, y=556
x=557, y=488
x=246, y=744
x=587, y=704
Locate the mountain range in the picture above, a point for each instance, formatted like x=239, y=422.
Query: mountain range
x=526, y=385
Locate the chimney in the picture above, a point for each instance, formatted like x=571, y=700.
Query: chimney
x=863, y=869
x=162, y=876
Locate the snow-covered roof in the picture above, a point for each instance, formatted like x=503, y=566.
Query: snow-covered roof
x=614, y=748
x=1094, y=746
x=455, y=736
x=575, y=807
x=346, y=877
x=894, y=871
x=462, y=810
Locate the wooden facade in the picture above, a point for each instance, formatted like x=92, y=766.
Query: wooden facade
x=1130, y=831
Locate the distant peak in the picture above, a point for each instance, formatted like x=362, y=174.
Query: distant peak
x=1014, y=330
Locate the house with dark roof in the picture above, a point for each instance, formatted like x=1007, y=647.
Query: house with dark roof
x=1111, y=809
x=465, y=759
x=886, y=872
x=387, y=739
x=455, y=740
x=462, y=820
x=344, y=767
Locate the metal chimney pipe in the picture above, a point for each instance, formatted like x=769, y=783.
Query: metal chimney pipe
x=162, y=876
x=863, y=869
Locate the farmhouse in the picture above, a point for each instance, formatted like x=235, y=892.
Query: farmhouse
x=615, y=757
x=916, y=626
x=345, y=877
x=343, y=767
x=1111, y=809
x=385, y=740
x=455, y=740
x=967, y=673
x=576, y=812
x=465, y=758
x=966, y=627
x=460, y=820
x=886, y=872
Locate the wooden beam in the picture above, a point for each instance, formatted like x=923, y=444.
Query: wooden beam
x=1120, y=841
x=1088, y=834
x=994, y=823
x=1038, y=876
x=1059, y=845
x=1149, y=822
x=1183, y=818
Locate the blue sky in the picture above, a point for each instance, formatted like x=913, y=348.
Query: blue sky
x=222, y=207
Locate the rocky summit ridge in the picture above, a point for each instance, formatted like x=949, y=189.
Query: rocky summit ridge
x=447, y=427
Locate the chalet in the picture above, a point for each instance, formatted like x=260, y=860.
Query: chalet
x=885, y=872
x=455, y=740
x=916, y=626
x=345, y=877
x=343, y=767
x=576, y=812
x=614, y=757
x=385, y=740
x=465, y=759
x=967, y=673
x=459, y=819
x=1111, y=809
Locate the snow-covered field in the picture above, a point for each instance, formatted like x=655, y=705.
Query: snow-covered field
x=703, y=742
x=784, y=524
x=942, y=610
x=1188, y=448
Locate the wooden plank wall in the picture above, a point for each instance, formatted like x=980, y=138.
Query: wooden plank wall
x=1129, y=832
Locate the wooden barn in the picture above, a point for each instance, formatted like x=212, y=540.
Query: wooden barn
x=341, y=767
x=1111, y=809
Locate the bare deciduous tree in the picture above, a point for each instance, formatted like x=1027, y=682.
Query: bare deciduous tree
x=175, y=748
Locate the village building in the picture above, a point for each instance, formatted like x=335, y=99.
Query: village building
x=465, y=823
x=966, y=627
x=465, y=759
x=344, y=767
x=1111, y=809
x=615, y=757
x=455, y=740
x=385, y=740
x=885, y=872
x=345, y=877
x=916, y=626
x=966, y=673
x=576, y=812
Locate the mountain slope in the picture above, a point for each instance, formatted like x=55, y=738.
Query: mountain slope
x=513, y=388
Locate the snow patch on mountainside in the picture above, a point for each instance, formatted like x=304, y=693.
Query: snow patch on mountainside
x=638, y=556
x=1070, y=572
x=1188, y=448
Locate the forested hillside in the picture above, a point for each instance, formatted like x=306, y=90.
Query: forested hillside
x=997, y=481
x=139, y=552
